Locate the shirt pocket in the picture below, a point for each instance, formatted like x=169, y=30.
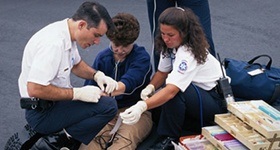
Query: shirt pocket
x=63, y=77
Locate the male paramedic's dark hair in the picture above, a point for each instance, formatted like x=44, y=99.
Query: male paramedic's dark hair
x=190, y=30
x=93, y=13
x=126, y=29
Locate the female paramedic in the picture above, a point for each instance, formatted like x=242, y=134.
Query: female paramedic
x=189, y=99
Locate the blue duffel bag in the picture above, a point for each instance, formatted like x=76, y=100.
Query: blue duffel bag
x=253, y=81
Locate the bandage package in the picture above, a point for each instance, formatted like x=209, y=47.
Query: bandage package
x=221, y=139
x=196, y=142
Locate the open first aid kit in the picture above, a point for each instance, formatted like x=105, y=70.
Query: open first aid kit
x=253, y=125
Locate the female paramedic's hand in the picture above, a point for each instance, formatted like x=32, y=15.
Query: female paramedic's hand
x=148, y=91
x=101, y=80
x=87, y=94
x=132, y=115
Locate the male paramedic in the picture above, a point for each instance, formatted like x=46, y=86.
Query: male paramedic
x=48, y=59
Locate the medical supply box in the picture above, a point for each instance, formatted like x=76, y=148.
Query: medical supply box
x=254, y=123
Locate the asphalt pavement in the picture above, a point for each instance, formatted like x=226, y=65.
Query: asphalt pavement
x=241, y=29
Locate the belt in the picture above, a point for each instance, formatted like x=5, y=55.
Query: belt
x=35, y=103
x=217, y=90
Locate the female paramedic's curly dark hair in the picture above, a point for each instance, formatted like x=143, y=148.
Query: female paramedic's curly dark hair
x=126, y=29
x=187, y=23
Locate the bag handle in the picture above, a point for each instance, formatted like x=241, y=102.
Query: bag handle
x=256, y=64
x=264, y=55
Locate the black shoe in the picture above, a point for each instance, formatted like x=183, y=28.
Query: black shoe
x=56, y=141
x=164, y=144
x=72, y=144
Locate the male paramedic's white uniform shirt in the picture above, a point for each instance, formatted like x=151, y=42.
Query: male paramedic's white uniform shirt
x=185, y=69
x=49, y=57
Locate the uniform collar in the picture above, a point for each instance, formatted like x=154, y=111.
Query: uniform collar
x=66, y=32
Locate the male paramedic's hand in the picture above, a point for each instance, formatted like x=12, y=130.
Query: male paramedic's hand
x=147, y=92
x=132, y=115
x=101, y=80
x=87, y=94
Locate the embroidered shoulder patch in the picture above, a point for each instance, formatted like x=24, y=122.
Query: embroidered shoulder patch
x=183, y=67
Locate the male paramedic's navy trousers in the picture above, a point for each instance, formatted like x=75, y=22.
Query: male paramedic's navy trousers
x=80, y=119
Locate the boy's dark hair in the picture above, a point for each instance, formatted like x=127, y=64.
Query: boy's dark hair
x=126, y=29
x=93, y=13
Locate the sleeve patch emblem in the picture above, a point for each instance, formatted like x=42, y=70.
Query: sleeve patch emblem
x=183, y=67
